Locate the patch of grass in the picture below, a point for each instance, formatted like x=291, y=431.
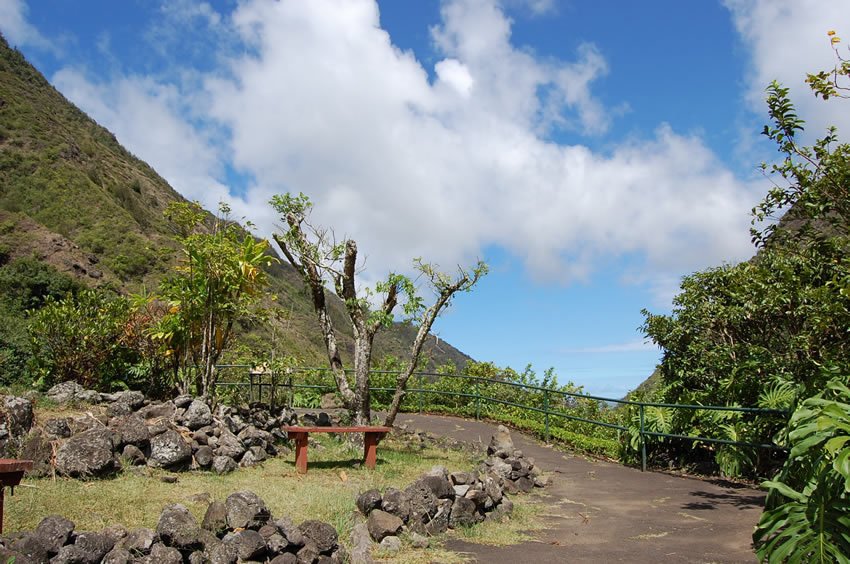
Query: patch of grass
x=135, y=497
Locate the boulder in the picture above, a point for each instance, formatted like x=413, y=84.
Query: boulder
x=501, y=444
x=464, y=513
x=248, y=545
x=179, y=529
x=440, y=523
x=223, y=465
x=133, y=455
x=64, y=392
x=54, y=532
x=215, y=519
x=93, y=546
x=422, y=504
x=290, y=531
x=31, y=548
x=164, y=410
x=87, y=422
x=118, y=555
x=197, y=415
x=439, y=485
x=323, y=535
x=204, y=456
x=524, y=484
x=183, y=401
x=251, y=436
x=88, y=396
x=391, y=544
x=395, y=502
x=162, y=554
x=369, y=500
x=37, y=447
x=139, y=541
x=130, y=430
x=169, y=450
x=87, y=454
x=57, y=428
x=361, y=545
x=382, y=524
x=246, y=510
x=229, y=445
x=276, y=543
x=18, y=415
x=285, y=558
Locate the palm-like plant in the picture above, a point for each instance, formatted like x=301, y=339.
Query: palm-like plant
x=808, y=508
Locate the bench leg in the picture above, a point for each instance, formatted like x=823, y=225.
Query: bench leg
x=300, y=451
x=370, y=449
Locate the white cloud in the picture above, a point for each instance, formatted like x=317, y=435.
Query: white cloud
x=456, y=75
x=148, y=118
x=323, y=102
x=17, y=30
x=787, y=39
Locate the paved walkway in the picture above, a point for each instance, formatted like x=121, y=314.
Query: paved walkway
x=603, y=512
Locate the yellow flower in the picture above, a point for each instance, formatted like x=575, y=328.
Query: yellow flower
x=831, y=32
x=835, y=40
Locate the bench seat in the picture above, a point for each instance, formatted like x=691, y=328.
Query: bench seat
x=372, y=434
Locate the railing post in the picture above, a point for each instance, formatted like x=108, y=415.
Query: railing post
x=477, y=401
x=642, y=441
x=250, y=386
x=419, y=395
x=546, y=414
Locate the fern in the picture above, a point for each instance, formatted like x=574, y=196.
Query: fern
x=807, y=518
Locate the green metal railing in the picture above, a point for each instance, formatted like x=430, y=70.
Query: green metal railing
x=271, y=381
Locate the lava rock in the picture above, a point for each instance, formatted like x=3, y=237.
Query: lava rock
x=369, y=500
x=86, y=455
x=169, y=450
x=246, y=510
x=382, y=524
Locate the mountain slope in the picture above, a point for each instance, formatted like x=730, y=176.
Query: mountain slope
x=74, y=198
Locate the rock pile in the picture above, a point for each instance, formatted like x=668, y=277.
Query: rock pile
x=517, y=472
x=440, y=500
x=179, y=434
x=240, y=529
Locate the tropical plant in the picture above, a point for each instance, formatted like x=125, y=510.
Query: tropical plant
x=807, y=515
x=218, y=281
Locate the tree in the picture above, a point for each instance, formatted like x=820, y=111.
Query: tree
x=218, y=281
x=771, y=330
x=320, y=259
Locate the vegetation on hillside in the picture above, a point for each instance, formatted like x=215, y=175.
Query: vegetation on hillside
x=76, y=206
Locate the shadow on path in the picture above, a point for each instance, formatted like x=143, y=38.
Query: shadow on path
x=603, y=512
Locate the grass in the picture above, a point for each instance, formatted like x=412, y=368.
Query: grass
x=135, y=497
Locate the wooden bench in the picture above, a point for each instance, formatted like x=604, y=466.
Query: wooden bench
x=371, y=435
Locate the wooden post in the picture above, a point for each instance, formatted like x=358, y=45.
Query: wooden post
x=300, y=451
x=370, y=449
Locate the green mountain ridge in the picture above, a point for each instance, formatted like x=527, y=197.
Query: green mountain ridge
x=73, y=198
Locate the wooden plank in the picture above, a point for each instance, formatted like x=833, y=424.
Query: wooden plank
x=361, y=429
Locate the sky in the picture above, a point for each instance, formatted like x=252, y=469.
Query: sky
x=592, y=153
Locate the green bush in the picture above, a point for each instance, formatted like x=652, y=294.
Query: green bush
x=807, y=515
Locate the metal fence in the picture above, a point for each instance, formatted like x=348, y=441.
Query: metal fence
x=273, y=383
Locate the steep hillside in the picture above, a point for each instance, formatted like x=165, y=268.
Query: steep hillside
x=72, y=197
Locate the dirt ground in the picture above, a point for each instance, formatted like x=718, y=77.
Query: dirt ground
x=604, y=512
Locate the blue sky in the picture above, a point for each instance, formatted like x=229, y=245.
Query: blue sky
x=592, y=153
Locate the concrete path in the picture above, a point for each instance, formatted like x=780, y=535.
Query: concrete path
x=603, y=512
